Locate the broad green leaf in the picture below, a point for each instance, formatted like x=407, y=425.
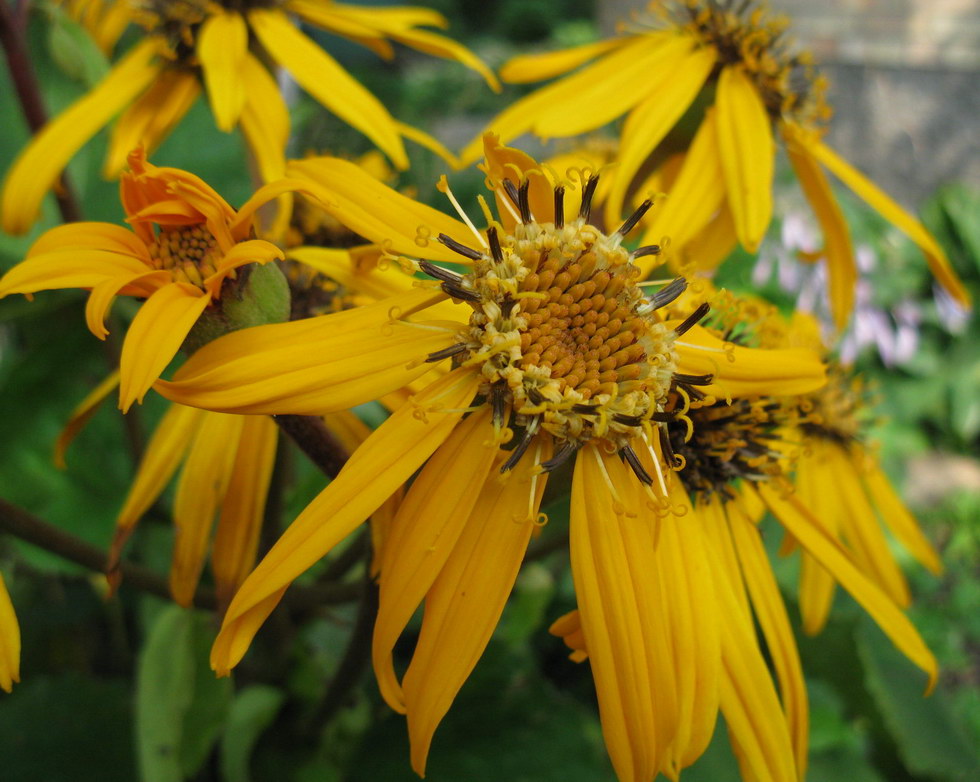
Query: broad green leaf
x=924, y=730
x=74, y=50
x=207, y=714
x=251, y=712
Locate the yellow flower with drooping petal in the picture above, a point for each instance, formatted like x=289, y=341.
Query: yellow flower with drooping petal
x=9, y=641
x=223, y=47
x=185, y=243
x=556, y=354
x=761, y=88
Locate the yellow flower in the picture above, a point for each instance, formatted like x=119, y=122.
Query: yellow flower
x=9, y=641
x=222, y=47
x=556, y=354
x=185, y=242
x=105, y=20
x=760, y=87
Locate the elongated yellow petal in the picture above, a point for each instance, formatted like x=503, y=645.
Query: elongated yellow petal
x=81, y=415
x=378, y=212
x=383, y=463
x=320, y=75
x=555, y=110
x=894, y=513
x=90, y=236
x=310, y=377
x=392, y=17
x=862, y=532
x=675, y=82
x=740, y=371
x=151, y=117
x=429, y=522
x=39, y=164
x=878, y=200
x=812, y=535
x=747, y=154
x=82, y=268
x=841, y=266
x=243, y=253
x=163, y=454
x=9, y=641
x=620, y=604
x=428, y=142
x=465, y=602
x=704, y=252
x=526, y=68
x=330, y=18
x=222, y=45
x=200, y=491
x=695, y=196
x=503, y=163
x=155, y=336
x=102, y=295
x=771, y=615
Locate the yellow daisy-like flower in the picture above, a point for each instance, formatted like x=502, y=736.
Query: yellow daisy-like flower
x=557, y=353
x=185, y=243
x=9, y=641
x=222, y=47
x=761, y=88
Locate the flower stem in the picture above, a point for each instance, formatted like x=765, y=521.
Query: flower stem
x=316, y=441
x=13, y=38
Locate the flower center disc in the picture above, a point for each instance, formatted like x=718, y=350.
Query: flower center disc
x=186, y=252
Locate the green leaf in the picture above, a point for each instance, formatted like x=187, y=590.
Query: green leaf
x=251, y=712
x=74, y=50
x=164, y=692
x=207, y=714
x=924, y=730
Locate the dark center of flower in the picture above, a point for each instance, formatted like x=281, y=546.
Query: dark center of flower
x=744, y=33
x=187, y=253
x=838, y=411
x=566, y=340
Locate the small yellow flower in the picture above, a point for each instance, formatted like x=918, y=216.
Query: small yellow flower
x=761, y=88
x=556, y=354
x=192, y=44
x=9, y=641
x=185, y=242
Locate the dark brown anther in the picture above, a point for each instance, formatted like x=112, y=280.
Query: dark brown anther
x=627, y=420
x=520, y=449
x=584, y=409
x=692, y=319
x=692, y=392
x=666, y=447
x=439, y=273
x=647, y=249
x=586, y=209
x=559, y=206
x=534, y=395
x=511, y=189
x=693, y=380
x=498, y=403
x=462, y=249
x=452, y=350
x=495, y=251
x=634, y=218
x=634, y=462
x=460, y=293
x=507, y=306
x=524, y=202
x=565, y=452
x=668, y=293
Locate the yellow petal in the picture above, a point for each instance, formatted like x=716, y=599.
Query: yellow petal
x=102, y=295
x=383, y=463
x=163, y=454
x=430, y=143
x=151, y=117
x=304, y=376
x=81, y=415
x=894, y=513
x=465, y=602
x=90, y=236
x=222, y=46
x=320, y=75
x=546, y=65
x=674, y=84
x=620, y=604
x=817, y=585
x=747, y=154
x=740, y=371
x=695, y=195
x=509, y=163
x=330, y=18
x=200, y=491
x=876, y=198
x=706, y=251
x=771, y=615
x=251, y=251
x=841, y=266
x=428, y=523
x=812, y=535
x=155, y=336
x=379, y=213
x=9, y=641
x=41, y=162
x=81, y=268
